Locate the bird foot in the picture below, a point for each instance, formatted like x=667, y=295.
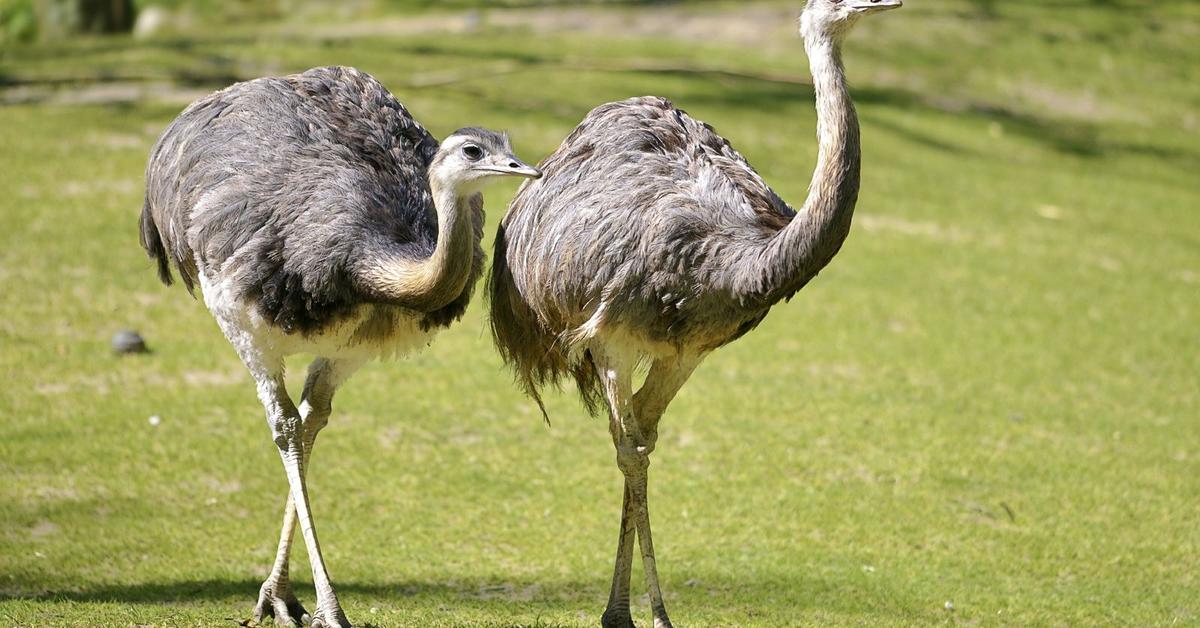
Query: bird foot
x=616, y=619
x=330, y=618
x=275, y=599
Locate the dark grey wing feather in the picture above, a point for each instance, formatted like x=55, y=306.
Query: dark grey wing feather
x=164, y=219
x=278, y=182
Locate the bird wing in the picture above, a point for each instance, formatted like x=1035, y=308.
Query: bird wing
x=638, y=210
x=276, y=182
x=637, y=199
x=652, y=131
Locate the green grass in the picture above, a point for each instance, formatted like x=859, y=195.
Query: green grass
x=990, y=397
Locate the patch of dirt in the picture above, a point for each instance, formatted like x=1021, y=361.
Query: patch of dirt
x=925, y=229
x=747, y=25
x=92, y=187
x=1077, y=105
x=101, y=94
x=98, y=384
x=851, y=372
x=509, y=592
x=43, y=529
x=54, y=388
x=118, y=141
x=215, y=378
x=222, y=486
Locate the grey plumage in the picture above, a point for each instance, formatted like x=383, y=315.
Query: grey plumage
x=652, y=213
x=317, y=216
x=651, y=241
x=294, y=184
x=642, y=208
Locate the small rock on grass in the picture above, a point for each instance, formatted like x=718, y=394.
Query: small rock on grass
x=129, y=341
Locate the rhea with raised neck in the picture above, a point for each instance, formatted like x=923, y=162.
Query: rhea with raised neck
x=652, y=242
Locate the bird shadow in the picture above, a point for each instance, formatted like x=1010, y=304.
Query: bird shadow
x=219, y=589
x=789, y=593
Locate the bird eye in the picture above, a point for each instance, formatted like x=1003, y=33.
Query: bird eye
x=472, y=152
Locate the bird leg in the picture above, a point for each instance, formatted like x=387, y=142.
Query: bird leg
x=615, y=374
x=634, y=429
x=275, y=597
x=288, y=435
x=616, y=614
x=662, y=383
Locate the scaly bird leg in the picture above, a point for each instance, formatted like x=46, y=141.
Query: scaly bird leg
x=651, y=401
x=662, y=383
x=275, y=597
x=614, y=371
x=634, y=437
x=287, y=431
x=616, y=614
x=288, y=435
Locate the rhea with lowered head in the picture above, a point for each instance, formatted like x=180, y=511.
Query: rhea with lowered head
x=650, y=240
x=317, y=216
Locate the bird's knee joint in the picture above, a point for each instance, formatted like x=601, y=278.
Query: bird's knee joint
x=632, y=460
x=285, y=431
x=650, y=438
x=316, y=420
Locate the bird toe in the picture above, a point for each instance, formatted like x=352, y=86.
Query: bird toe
x=277, y=600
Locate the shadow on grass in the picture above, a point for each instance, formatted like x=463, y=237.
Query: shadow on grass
x=784, y=593
x=705, y=85
x=1072, y=137
x=776, y=94
x=91, y=47
x=216, y=589
x=916, y=137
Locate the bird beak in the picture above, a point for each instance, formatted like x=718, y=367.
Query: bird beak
x=510, y=165
x=875, y=6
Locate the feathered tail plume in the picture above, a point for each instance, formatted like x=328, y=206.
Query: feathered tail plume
x=539, y=358
x=151, y=240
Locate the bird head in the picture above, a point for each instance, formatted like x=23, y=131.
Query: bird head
x=471, y=157
x=836, y=17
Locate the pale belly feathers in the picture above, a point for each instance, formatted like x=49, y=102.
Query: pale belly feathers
x=372, y=331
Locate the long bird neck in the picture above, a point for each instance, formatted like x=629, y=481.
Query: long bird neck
x=434, y=282
x=798, y=252
x=833, y=191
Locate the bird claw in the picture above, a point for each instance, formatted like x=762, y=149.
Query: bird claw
x=275, y=599
x=330, y=619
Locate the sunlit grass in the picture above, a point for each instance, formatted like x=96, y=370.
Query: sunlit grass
x=990, y=398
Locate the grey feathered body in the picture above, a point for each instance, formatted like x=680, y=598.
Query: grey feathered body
x=286, y=189
x=650, y=242
x=646, y=222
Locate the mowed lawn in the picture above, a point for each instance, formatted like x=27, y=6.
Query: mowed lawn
x=986, y=411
